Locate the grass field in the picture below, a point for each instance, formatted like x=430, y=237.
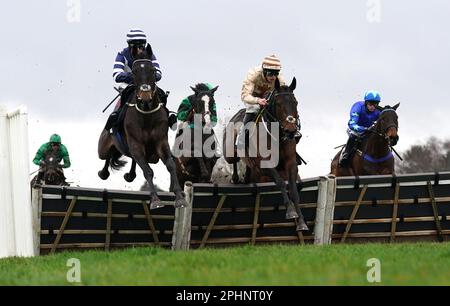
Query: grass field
x=401, y=264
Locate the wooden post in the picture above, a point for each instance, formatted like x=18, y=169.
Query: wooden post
x=181, y=236
x=320, y=210
x=108, y=225
x=150, y=223
x=329, y=210
x=435, y=212
x=355, y=210
x=63, y=224
x=255, y=218
x=213, y=220
x=394, y=212
x=36, y=207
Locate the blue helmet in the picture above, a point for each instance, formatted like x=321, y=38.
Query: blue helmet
x=372, y=96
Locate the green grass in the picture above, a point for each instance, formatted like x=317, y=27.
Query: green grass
x=401, y=264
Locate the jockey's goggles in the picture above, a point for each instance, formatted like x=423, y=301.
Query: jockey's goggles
x=270, y=72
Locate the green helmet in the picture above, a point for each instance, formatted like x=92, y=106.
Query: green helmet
x=55, y=138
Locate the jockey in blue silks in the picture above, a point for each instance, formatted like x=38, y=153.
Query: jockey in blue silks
x=362, y=116
x=122, y=75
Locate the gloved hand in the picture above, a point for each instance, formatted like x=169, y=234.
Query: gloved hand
x=128, y=78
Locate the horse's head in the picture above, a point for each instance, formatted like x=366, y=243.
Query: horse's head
x=203, y=100
x=52, y=174
x=387, y=123
x=283, y=106
x=144, y=75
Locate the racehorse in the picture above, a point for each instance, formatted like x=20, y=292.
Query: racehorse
x=197, y=168
x=53, y=173
x=145, y=129
x=281, y=111
x=374, y=154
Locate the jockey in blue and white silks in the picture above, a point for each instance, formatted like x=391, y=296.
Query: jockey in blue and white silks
x=137, y=41
x=362, y=116
x=122, y=75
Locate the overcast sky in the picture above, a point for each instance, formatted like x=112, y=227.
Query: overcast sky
x=60, y=66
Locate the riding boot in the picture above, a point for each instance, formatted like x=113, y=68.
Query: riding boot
x=112, y=120
x=243, y=140
x=348, y=152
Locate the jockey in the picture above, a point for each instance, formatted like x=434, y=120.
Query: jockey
x=185, y=109
x=362, y=116
x=62, y=154
x=122, y=75
x=259, y=83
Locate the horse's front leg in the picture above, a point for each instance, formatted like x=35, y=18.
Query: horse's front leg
x=295, y=197
x=104, y=173
x=139, y=157
x=166, y=157
x=290, y=208
x=130, y=176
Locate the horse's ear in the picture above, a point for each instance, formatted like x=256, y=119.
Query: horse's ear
x=277, y=84
x=214, y=89
x=293, y=84
x=396, y=106
x=149, y=51
x=194, y=89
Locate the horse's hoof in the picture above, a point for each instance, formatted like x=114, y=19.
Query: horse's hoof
x=301, y=226
x=103, y=175
x=290, y=212
x=156, y=204
x=129, y=177
x=180, y=203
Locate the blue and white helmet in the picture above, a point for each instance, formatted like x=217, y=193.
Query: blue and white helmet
x=136, y=35
x=372, y=96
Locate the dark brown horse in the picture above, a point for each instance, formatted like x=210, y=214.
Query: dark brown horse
x=197, y=165
x=374, y=153
x=281, y=118
x=53, y=173
x=145, y=127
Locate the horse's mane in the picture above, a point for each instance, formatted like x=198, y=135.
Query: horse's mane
x=201, y=87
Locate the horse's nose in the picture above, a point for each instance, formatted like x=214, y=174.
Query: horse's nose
x=145, y=87
x=392, y=132
x=290, y=119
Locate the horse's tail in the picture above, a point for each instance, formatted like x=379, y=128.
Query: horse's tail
x=116, y=163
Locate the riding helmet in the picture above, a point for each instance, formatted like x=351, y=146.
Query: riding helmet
x=136, y=35
x=55, y=138
x=271, y=62
x=372, y=96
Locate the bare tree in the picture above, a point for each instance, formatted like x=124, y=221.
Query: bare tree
x=433, y=156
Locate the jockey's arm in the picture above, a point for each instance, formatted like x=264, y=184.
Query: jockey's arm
x=65, y=156
x=353, y=123
x=39, y=155
x=155, y=64
x=247, y=88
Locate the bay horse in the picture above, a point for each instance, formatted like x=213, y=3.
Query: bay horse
x=53, y=173
x=374, y=154
x=281, y=111
x=145, y=129
x=197, y=166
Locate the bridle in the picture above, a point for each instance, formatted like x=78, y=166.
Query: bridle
x=145, y=88
x=271, y=107
x=373, y=129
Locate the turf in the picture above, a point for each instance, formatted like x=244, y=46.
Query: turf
x=401, y=264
